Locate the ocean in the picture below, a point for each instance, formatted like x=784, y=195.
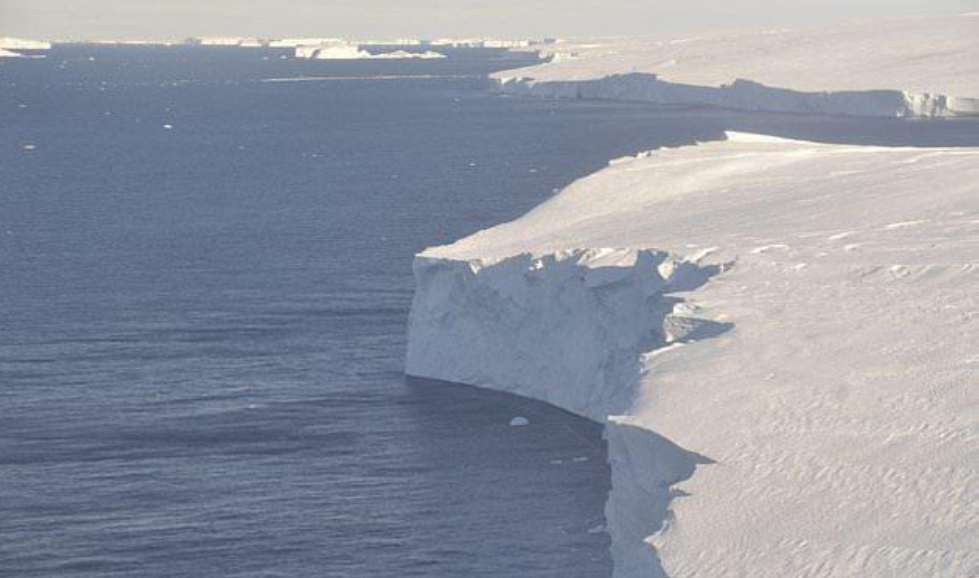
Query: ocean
x=206, y=277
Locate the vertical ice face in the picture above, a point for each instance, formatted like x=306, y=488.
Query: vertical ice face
x=568, y=328
x=854, y=68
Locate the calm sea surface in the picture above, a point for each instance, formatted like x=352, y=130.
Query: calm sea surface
x=205, y=275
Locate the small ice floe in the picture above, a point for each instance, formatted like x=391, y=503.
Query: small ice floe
x=29, y=147
x=21, y=105
x=580, y=459
x=556, y=462
x=597, y=529
x=519, y=421
x=168, y=126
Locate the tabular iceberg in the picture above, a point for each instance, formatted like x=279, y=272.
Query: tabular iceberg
x=344, y=51
x=853, y=69
x=794, y=398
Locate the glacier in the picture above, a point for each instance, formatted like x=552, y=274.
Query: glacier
x=852, y=69
x=780, y=337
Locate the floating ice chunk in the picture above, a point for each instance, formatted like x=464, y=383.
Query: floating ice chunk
x=519, y=421
x=29, y=147
x=168, y=126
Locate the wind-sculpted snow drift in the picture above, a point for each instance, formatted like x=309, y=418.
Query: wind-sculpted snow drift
x=796, y=398
x=912, y=67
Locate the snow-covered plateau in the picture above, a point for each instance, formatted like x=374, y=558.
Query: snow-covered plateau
x=897, y=67
x=782, y=338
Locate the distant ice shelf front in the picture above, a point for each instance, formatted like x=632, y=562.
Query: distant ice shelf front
x=854, y=69
x=780, y=336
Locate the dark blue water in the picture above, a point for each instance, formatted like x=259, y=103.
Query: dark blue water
x=202, y=326
x=203, y=300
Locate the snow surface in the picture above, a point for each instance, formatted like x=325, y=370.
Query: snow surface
x=896, y=67
x=784, y=347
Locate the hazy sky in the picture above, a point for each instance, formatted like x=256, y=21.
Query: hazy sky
x=175, y=19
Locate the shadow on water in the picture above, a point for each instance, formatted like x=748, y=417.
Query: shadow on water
x=558, y=460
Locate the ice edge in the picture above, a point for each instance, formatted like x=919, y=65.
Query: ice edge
x=746, y=95
x=572, y=328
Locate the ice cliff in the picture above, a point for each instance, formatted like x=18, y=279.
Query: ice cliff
x=571, y=325
x=746, y=95
x=854, y=69
x=783, y=349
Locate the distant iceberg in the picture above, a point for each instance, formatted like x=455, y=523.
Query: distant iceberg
x=294, y=42
x=929, y=73
x=9, y=43
x=240, y=41
x=354, y=52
